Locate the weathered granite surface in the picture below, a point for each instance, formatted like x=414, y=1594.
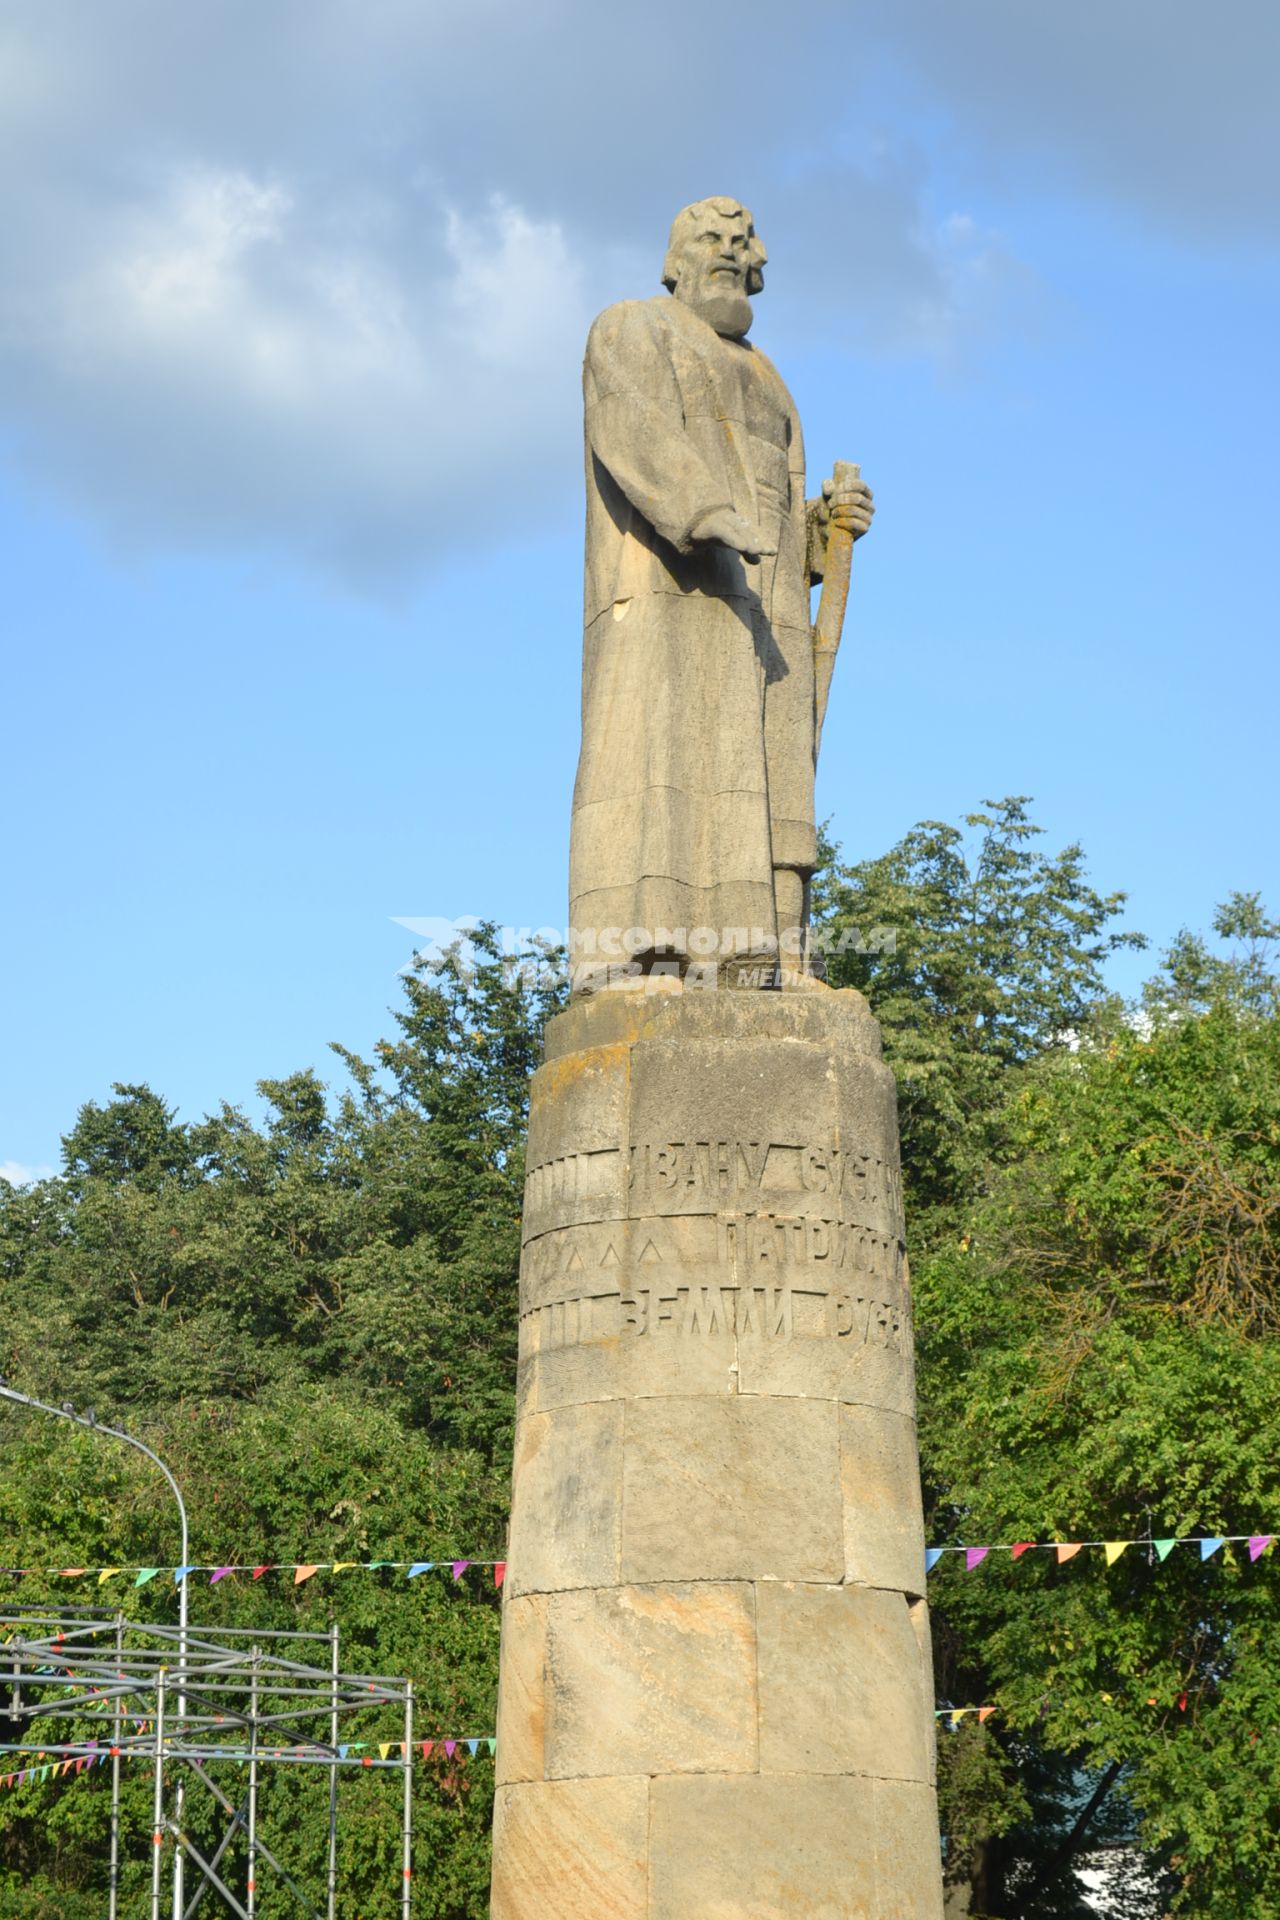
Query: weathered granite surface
x=716, y=1697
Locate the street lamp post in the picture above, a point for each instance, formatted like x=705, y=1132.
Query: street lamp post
x=90, y=1420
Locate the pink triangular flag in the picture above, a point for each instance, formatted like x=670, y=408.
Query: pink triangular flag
x=219, y=1573
x=1258, y=1544
x=1068, y=1549
x=450, y=1747
x=459, y=1568
x=974, y=1556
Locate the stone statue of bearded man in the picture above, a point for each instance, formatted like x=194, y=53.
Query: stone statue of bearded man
x=693, y=839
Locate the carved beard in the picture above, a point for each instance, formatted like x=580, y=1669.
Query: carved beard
x=728, y=312
x=726, y=308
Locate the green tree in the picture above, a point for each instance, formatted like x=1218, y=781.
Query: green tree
x=1099, y=1360
x=313, y=1320
x=978, y=953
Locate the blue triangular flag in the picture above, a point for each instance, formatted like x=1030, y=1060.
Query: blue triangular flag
x=1210, y=1546
x=932, y=1555
x=419, y=1566
x=180, y=1574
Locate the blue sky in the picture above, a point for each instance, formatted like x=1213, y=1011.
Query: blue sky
x=292, y=302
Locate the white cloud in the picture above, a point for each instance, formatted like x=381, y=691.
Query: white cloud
x=218, y=364
x=21, y=1176
x=307, y=275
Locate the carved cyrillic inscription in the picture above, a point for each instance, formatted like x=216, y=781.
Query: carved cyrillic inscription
x=767, y=1312
x=688, y=1172
x=742, y=1245
x=755, y=1240
x=610, y=1249
x=691, y=1176
x=569, y=1179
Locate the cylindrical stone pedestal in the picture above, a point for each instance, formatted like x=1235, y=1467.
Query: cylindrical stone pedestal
x=716, y=1698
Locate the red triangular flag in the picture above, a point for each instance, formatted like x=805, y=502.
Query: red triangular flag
x=259, y=1571
x=1022, y=1546
x=499, y=1572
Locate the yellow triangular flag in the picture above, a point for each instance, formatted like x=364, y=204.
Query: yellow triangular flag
x=1114, y=1548
x=108, y=1573
x=384, y=1749
x=340, y=1566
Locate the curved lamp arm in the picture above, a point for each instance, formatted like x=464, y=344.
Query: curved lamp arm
x=90, y=1420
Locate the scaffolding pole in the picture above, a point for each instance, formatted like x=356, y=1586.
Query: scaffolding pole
x=97, y=1685
x=333, y=1774
x=117, y=1734
x=251, y=1881
x=157, y=1816
x=407, y=1895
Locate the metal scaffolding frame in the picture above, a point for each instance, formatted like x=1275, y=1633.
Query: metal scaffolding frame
x=187, y=1700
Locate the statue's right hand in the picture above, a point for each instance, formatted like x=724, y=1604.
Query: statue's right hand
x=730, y=529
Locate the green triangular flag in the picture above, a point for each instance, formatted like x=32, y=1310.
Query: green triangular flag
x=145, y=1574
x=1164, y=1547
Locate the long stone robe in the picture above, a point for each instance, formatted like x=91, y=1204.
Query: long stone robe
x=696, y=773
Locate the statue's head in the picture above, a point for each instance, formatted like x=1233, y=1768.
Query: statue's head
x=715, y=261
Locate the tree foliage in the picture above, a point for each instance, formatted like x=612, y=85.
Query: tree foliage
x=1094, y=1193
x=313, y=1320
x=312, y=1316
x=986, y=953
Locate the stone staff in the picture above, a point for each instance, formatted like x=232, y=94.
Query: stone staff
x=829, y=624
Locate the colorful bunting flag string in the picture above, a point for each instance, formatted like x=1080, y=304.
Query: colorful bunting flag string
x=302, y=1570
x=1064, y=1550
x=56, y=1762
x=1207, y=1545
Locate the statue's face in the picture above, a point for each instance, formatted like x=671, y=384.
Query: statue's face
x=715, y=256
x=712, y=265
